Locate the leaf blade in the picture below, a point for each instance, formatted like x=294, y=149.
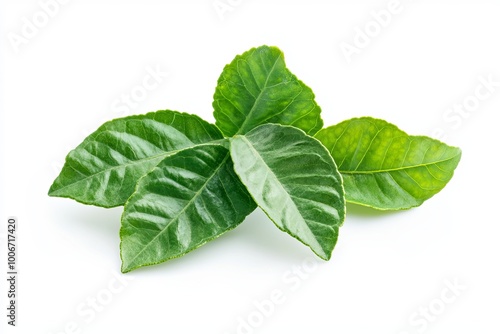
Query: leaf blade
x=189, y=199
x=257, y=88
x=105, y=167
x=294, y=180
x=385, y=168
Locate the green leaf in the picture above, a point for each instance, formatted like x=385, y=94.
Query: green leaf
x=105, y=167
x=293, y=178
x=189, y=199
x=257, y=88
x=385, y=168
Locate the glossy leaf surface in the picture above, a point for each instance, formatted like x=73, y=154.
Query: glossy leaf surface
x=294, y=180
x=105, y=167
x=190, y=198
x=385, y=168
x=257, y=88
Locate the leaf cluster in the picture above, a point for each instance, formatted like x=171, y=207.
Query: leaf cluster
x=183, y=181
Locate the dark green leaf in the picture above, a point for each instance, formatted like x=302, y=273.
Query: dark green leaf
x=190, y=198
x=257, y=88
x=105, y=167
x=385, y=168
x=293, y=178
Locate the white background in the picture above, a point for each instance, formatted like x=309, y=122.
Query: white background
x=386, y=268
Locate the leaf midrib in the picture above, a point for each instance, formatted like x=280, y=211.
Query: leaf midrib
x=397, y=168
x=249, y=115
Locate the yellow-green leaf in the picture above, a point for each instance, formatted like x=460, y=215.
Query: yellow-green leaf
x=385, y=168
